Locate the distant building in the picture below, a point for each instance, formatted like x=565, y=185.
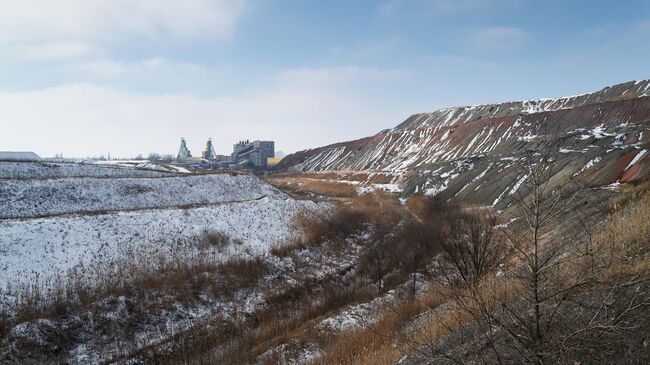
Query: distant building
x=223, y=158
x=255, y=153
x=245, y=153
x=183, y=151
x=208, y=152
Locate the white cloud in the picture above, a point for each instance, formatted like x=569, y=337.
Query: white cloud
x=54, y=50
x=104, y=68
x=112, y=21
x=302, y=109
x=497, y=37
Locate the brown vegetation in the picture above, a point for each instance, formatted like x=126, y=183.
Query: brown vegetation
x=312, y=187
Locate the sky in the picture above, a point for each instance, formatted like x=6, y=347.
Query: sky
x=127, y=77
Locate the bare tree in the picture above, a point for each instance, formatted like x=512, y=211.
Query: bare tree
x=555, y=270
x=540, y=204
x=472, y=250
x=556, y=265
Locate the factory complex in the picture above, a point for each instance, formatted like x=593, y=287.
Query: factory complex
x=245, y=154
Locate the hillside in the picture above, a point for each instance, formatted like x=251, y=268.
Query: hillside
x=57, y=217
x=471, y=152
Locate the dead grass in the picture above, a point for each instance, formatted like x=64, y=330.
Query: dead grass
x=382, y=342
x=173, y=279
x=623, y=240
x=305, y=186
x=214, y=239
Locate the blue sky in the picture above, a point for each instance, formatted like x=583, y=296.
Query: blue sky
x=90, y=77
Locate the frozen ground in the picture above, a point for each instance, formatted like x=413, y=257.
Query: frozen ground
x=40, y=248
x=42, y=170
x=48, y=226
x=39, y=198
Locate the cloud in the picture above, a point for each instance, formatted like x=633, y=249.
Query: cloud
x=45, y=43
x=105, y=68
x=110, y=21
x=53, y=50
x=497, y=37
x=302, y=108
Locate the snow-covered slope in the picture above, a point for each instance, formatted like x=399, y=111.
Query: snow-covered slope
x=38, y=198
x=50, y=225
x=472, y=151
x=52, y=170
x=41, y=248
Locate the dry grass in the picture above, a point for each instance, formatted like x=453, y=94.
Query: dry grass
x=176, y=279
x=382, y=342
x=304, y=186
x=386, y=341
x=336, y=226
x=628, y=231
x=622, y=242
x=336, y=185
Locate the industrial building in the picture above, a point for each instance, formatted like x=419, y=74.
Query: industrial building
x=183, y=151
x=208, y=152
x=259, y=154
x=255, y=153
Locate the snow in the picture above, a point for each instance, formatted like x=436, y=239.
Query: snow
x=636, y=159
x=615, y=186
x=51, y=225
x=180, y=169
x=599, y=132
x=392, y=188
x=142, y=164
x=517, y=185
x=566, y=150
x=43, y=247
x=505, y=225
x=528, y=137
x=357, y=315
x=55, y=170
x=435, y=190
x=589, y=165
x=31, y=198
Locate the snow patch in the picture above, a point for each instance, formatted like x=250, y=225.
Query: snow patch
x=636, y=159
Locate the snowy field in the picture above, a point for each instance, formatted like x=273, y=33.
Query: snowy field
x=46, y=246
x=39, y=198
x=105, y=219
x=42, y=170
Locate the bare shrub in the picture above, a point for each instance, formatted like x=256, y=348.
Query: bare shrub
x=334, y=227
x=472, y=249
x=628, y=232
x=5, y=325
x=282, y=250
x=214, y=239
x=240, y=273
x=375, y=260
